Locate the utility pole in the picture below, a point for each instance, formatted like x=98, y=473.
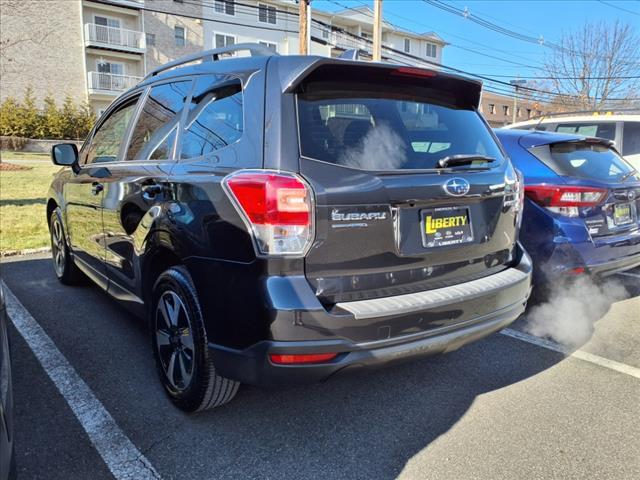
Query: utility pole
x=305, y=34
x=516, y=83
x=377, y=30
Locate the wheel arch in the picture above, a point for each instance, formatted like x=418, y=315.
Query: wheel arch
x=52, y=204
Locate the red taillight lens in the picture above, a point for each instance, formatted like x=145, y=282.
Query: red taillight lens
x=565, y=196
x=277, y=206
x=565, y=200
x=302, y=358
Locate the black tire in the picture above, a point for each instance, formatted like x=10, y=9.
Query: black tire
x=63, y=264
x=179, y=342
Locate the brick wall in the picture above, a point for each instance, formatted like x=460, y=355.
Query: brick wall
x=47, y=51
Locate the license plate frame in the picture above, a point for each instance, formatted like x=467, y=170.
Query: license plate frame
x=452, y=232
x=622, y=218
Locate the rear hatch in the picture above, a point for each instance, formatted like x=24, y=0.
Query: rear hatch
x=599, y=186
x=391, y=216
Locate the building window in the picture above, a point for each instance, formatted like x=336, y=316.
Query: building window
x=519, y=112
x=528, y=113
x=225, y=6
x=150, y=39
x=270, y=45
x=432, y=50
x=107, y=22
x=222, y=40
x=325, y=33
x=492, y=108
x=266, y=13
x=505, y=109
x=179, y=35
x=366, y=35
x=407, y=45
x=114, y=68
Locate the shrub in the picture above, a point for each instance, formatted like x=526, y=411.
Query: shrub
x=71, y=121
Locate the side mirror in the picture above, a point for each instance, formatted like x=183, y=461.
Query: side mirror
x=64, y=154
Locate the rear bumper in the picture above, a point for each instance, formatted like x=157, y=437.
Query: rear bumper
x=599, y=257
x=605, y=269
x=253, y=366
x=480, y=309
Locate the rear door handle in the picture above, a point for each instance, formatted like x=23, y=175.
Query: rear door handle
x=96, y=188
x=150, y=190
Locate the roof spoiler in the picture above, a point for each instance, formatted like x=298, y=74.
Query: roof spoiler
x=466, y=91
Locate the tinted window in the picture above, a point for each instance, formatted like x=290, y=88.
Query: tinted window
x=106, y=142
x=155, y=131
x=587, y=160
x=631, y=138
x=589, y=129
x=372, y=132
x=215, y=118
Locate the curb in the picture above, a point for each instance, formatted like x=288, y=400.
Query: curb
x=26, y=251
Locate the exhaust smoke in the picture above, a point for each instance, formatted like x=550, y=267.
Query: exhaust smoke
x=571, y=310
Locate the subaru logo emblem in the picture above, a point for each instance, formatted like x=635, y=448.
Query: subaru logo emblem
x=457, y=187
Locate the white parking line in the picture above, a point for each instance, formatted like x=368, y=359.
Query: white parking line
x=120, y=455
x=580, y=354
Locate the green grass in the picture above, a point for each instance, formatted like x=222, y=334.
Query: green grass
x=23, y=199
x=12, y=155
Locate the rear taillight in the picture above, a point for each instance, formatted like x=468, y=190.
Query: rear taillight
x=514, y=191
x=277, y=208
x=565, y=200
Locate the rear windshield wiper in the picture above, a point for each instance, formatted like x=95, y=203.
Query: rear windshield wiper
x=627, y=175
x=452, y=160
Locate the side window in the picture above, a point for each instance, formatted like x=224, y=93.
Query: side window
x=105, y=144
x=155, y=132
x=215, y=118
x=631, y=138
x=602, y=130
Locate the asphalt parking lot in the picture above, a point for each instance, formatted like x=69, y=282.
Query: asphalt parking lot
x=500, y=408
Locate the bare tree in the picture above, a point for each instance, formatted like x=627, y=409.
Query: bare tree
x=595, y=64
x=10, y=44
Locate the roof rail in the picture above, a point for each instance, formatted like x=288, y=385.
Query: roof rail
x=603, y=112
x=213, y=55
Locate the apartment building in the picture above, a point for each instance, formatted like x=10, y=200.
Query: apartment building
x=274, y=23
x=93, y=50
x=498, y=109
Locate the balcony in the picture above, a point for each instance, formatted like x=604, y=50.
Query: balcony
x=114, y=38
x=110, y=84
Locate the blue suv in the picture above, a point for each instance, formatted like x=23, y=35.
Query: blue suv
x=582, y=206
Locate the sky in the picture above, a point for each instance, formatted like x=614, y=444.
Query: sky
x=546, y=18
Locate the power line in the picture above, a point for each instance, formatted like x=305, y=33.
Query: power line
x=505, y=31
x=473, y=42
x=619, y=8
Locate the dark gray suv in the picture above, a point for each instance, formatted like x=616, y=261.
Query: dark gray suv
x=279, y=219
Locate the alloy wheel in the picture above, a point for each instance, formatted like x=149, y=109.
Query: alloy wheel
x=174, y=340
x=58, y=252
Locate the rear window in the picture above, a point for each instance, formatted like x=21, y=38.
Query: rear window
x=589, y=129
x=587, y=160
x=386, y=130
